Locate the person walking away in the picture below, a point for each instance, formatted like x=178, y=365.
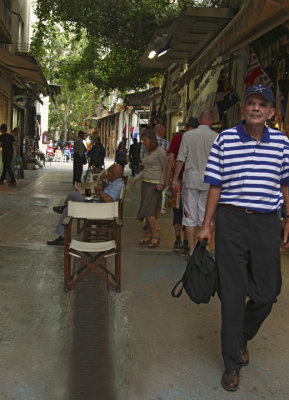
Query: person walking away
x=248, y=173
x=96, y=155
x=134, y=156
x=192, y=123
x=7, y=141
x=193, y=155
x=121, y=155
x=153, y=178
x=78, y=157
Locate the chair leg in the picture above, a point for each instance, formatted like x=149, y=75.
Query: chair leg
x=118, y=271
x=67, y=271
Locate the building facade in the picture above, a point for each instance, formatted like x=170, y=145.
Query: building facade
x=21, y=79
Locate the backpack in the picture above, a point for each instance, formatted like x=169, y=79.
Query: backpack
x=199, y=279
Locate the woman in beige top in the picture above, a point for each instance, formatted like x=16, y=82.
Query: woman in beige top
x=153, y=178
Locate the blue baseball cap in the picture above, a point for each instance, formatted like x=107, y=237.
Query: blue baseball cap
x=263, y=90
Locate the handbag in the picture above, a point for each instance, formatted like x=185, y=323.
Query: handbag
x=200, y=277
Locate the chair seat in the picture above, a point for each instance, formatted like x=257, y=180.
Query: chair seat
x=92, y=247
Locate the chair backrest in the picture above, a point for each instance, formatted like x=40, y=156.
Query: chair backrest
x=121, y=202
x=93, y=211
x=80, y=187
x=125, y=179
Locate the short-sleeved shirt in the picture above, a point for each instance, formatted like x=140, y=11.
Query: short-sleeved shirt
x=7, y=141
x=113, y=189
x=174, y=149
x=194, y=151
x=249, y=173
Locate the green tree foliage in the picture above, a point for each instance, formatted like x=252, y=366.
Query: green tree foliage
x=116, y=32
x=87, y=44
x=60, y=53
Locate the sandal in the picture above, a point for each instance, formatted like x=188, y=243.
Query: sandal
x=147, y=240
x=155, y=241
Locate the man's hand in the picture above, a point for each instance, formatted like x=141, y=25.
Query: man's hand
x=286, y=234
x=132, y=183
x=175, y=184
x=160, y=187
x=97, y=188
x=205, y=233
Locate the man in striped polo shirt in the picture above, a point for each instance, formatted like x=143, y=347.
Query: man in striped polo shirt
x=248, y=173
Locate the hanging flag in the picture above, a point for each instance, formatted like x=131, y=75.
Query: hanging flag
x=124, y=130
x=256, y=73
x=226, y=96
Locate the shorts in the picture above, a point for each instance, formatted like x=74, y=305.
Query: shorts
x=194, y=206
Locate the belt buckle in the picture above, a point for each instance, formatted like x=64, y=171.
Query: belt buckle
x=247, y=211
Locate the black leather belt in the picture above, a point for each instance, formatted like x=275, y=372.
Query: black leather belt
x=242, y=209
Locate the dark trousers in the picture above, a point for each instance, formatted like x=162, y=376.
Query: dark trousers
x=77, y=168
x=7, y=168
x=134, y=164
x=249, y=275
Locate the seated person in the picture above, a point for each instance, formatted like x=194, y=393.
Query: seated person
x=58, y=154
x=110, y=193
x=50, y=151
x=66, y=154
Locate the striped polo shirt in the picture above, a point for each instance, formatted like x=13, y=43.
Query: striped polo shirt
x=249, y=173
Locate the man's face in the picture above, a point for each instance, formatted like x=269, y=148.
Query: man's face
x=109, y=174
x=257, y=110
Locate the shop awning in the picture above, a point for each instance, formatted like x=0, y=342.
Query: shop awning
x=140, y=99
x=24, y=67
x=255, y=19
x=193, y=31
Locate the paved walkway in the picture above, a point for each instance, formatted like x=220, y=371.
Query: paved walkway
x=141, y=344
x=169, y=349
x=53, y=345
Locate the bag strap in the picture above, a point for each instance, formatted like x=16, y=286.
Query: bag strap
x=173, y=292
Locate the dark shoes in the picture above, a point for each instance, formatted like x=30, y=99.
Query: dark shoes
x=245, y=357
x=178, y=246
x=230, y=380
x=11, y=183
x=59, y=209
x=185, y=251
x=56, y=242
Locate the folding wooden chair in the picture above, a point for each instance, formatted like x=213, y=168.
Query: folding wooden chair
x=92, y=256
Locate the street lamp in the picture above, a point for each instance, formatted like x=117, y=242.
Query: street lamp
x=152, y=54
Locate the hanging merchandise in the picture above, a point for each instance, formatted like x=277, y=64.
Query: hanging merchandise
x=279, y=110
x=226, y=96
x=286, y=118
x=256, y=73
